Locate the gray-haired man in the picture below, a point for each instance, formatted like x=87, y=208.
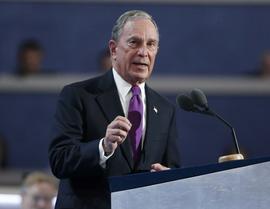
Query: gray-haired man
x=113, y=124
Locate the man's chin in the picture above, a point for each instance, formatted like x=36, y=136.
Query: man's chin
x=139, y=78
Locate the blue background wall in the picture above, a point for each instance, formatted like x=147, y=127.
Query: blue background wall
x=202, y=39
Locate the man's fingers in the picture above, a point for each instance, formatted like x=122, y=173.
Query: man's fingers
x=118, y=132
x=123, y=125
x=158, y=167
x=116, y=135
x=124, y=119
x=114, y=138
x=120, y=124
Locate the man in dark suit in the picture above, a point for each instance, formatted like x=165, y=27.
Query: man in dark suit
x=113, y=124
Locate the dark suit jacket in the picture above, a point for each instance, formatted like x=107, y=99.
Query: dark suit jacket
x=83, y=113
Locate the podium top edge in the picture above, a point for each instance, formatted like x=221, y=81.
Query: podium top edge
x=146, y=178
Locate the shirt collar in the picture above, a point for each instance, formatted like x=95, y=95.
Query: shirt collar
x=123, y=86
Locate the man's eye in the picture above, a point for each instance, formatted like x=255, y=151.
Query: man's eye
x=132, y=43
x=152, y=45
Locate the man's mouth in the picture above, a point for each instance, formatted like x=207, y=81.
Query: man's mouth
x=141, y=63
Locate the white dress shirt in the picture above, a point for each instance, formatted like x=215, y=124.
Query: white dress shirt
x=125, y=94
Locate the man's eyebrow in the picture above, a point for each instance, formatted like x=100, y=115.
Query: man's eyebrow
x=140, y=39
x=134, y=37
x=152, y=40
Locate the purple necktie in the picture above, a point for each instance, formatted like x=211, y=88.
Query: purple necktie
x=135, y=116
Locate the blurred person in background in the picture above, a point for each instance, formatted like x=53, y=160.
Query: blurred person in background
x=104, y=61
x=3, y=152
x=38, y=191
x=29, y=58
x=264, y=71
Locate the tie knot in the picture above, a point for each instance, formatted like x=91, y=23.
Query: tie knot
x=135, y=90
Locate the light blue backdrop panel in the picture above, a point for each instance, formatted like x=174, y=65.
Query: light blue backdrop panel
x=246, y=187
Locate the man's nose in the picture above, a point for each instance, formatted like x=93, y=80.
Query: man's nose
x=143, y=51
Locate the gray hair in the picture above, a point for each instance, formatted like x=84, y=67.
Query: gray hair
x=127, y=16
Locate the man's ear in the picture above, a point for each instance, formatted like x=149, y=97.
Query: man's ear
x=113, y=46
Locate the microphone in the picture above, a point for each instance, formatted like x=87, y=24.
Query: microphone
x=199, y=98
x=187, y=104
x=197, y=102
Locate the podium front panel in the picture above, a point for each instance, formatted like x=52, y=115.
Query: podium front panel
x=246, y=187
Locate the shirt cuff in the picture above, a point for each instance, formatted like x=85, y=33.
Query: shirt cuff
x=102, y=157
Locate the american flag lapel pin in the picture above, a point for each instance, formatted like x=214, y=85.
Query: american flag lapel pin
x=155, y=109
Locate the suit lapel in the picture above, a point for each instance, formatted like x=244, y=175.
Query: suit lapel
x=152, y=113
x=110, y=104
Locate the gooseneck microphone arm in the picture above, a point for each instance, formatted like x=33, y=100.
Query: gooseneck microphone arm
x=197, y=102
x=199, y=99
x=227, y=124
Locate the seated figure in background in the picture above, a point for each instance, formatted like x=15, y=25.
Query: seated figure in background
x=3, y=152
x=29, y=58
x=104, y=61
x=265, y=65
x=38, y=191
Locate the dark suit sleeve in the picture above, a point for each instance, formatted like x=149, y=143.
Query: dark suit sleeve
x=172, y=156
x=70, y=154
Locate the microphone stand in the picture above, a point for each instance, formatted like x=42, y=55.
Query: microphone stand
x=231, y=157
x=199, y=105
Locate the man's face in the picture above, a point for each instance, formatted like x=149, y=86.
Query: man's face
x=133, y=55
x=39, y=196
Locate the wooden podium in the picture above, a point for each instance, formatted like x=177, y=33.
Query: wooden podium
x=241, y=184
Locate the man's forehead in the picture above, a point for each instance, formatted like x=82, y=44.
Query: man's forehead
x=138, y=23
x=138, y=27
